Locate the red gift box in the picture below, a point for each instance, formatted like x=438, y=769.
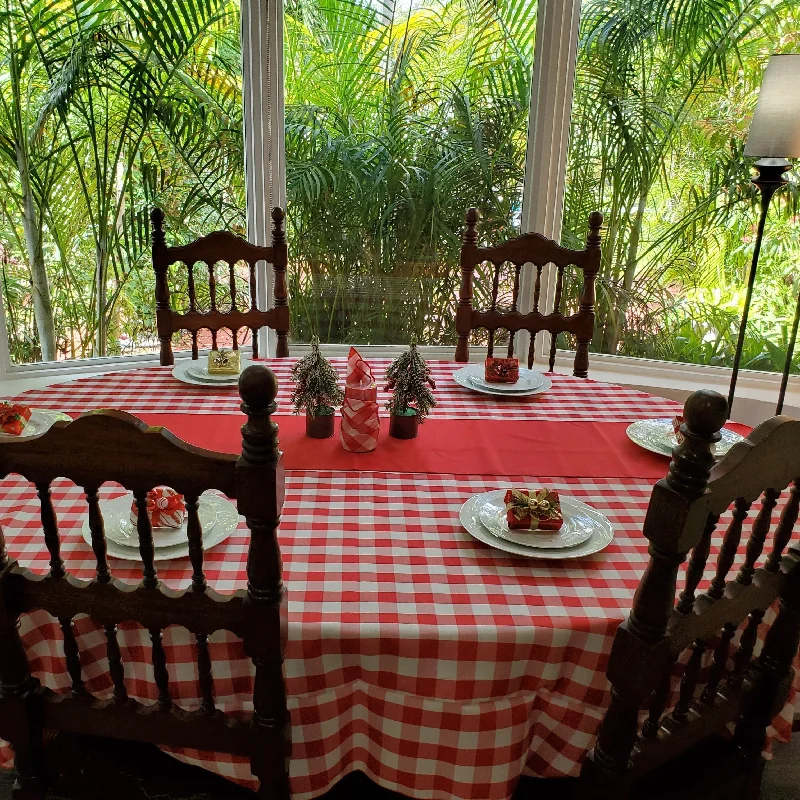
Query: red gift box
x=501, y=370
x=13, y=418
x=165, y=507
x=533, y=509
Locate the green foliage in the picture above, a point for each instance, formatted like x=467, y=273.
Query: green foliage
x=409, y=378
x=316, y=383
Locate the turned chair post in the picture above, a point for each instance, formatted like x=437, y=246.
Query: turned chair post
x=280, y=292
x=163, y=309
x=642, y=638
x=464, y=311
x=260, y=485
x=588, y=297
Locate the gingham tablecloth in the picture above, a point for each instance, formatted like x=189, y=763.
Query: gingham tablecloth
x=440, y=667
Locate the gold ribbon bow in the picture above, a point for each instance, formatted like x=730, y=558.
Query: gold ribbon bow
x=539, y=505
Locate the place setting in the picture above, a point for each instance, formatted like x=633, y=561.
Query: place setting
x=502, y=377
x=18, y=421
x=168, y=516
x=662, y=435
x=536, y=523
x=221, y=368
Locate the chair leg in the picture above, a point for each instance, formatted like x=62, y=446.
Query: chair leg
x=581, y=369
x=462, y=349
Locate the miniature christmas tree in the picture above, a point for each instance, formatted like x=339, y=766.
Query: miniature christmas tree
x=317, y=383
x=408, y=376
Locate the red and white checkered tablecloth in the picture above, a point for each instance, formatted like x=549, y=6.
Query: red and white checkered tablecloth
x=440, y=667
x=153, y=389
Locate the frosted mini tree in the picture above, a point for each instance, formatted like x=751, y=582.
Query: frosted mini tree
x=316, y=386
x=408, y=376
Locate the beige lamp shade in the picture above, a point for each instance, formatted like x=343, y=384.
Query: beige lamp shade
x=775, y=129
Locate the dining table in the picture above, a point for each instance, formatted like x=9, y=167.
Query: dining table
x=439, y=666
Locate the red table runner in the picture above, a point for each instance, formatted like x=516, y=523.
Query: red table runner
x=474, y=447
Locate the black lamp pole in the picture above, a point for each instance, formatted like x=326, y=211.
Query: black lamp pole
x=769, y=180
x=789, y=353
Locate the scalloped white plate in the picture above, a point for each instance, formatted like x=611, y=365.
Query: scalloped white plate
x=41, y=420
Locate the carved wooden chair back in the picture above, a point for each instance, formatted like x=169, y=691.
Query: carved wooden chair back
x=535, y=249
x=114, y=446
x=220, y=246
x=699, y=625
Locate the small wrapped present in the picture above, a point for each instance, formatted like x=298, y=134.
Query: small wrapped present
x=677, y=421
x=501, y=370
x=13, y=418
x=224, y=362
x=360, y=426
x=533, y=509
x=165, y=508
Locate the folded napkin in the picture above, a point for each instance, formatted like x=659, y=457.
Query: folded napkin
x=358, y=432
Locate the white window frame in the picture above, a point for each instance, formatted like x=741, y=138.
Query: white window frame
x=552, y=87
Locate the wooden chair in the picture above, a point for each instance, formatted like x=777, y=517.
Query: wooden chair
x=229, y=248
x=536, y=249
x=114, y=446
x=682, y=516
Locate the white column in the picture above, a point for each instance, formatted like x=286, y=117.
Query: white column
x=557, y=30
x=5, y=354
x=262, y=92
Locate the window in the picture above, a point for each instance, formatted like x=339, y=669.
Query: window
x=399, y=117
x=663, y=97
x=106, y=110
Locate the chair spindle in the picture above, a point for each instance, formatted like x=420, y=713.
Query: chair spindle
x=490, y=349
x=758, y=535
x=495, y=285
x=212, y=286
x=730, y=545
x=204, y=673
x=537, y=287
x=689, y=682
x=195, y=535
x=719, y=665
x=253, y=301
x=747, y=643
x=232, y=280
x=783, y=533
x=160, y=669
x=50, y=527
x=556, y=310
x=532, y=349
x=195, y=349
x=191, y=289
x=72, y=656
x=97, y=528
x=658, y=704
x=3, y=550
x=697, y=565
x=146, y=548
x=214, y=340
x=115, y=666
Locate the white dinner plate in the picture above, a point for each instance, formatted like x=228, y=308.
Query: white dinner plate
x=181, y=371
x=226, y=520
x=658, y=436
x=601, y=537
x=121, y=530
x=466, y=377
x=580, y=522
x=41, y=420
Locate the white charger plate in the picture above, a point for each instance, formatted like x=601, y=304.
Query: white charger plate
x=181, y=371
x=468, y=378
x=601, y=537
x=226, y=521
x=658, y=436
x=41, y=420
x=580, y=522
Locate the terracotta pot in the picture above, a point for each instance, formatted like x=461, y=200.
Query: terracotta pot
x=319, y=426
x=403, y=426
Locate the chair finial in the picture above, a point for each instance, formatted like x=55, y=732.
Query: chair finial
x=157, y=223
x=258, y=387
x=595, y=223
x=471, y=233
x=704, y=414
x=278, y=233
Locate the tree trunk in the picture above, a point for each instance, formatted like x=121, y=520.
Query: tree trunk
x=630, y=274
x=101, y=290
x=42, y=305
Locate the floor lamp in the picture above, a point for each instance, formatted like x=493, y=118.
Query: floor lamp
x=774, y=136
